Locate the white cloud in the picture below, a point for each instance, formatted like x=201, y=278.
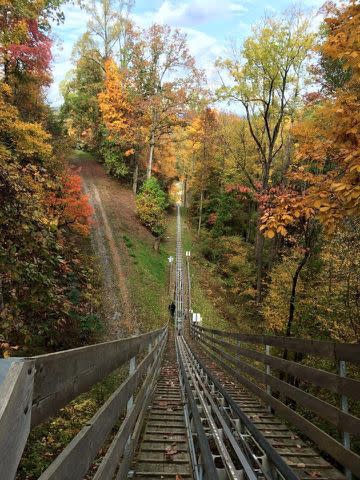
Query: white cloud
x=185, y=15
x=195, y=12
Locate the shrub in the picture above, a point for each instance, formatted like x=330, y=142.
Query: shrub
x=114, y=160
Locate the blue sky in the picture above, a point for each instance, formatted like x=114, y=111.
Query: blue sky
x=209, y=24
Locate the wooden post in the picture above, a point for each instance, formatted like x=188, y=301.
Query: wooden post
x=149, y=350
x=268, y=372
x=345, y=408
x=132, y=368
x=16, y=394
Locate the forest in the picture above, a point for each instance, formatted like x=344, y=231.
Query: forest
x=260, y=147
x=268, y=162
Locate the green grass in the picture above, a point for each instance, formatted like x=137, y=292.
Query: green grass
x=81, y=155
x=148, y=279
x=128, y=242
x=147, y=282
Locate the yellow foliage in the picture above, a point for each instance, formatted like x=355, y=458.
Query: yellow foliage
x=28, y=140
x=112, y=101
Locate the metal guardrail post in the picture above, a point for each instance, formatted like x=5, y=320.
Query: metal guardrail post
x=344, y=405
x=188, y=254
x=132, y=368
x=171, y=263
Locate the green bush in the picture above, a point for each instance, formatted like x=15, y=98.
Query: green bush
x=114, y=159
x=151, y=204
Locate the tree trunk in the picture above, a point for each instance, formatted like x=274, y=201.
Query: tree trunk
x=259, y=239
x=185, y=192
x=293, y=299
x=157, y=243
x=200, y=212
x=259, y=253
x=293, y=293
x=135, y=177
x=290, y=378
x=151, y=155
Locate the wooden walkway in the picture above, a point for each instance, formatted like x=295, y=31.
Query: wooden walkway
x=163, y=449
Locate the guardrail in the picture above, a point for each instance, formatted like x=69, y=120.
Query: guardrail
x=286, y=386
x=36, y=388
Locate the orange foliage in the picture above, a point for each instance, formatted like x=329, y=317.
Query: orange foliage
x=121, y=112
x=73, y=206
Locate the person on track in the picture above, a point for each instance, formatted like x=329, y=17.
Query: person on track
x=172, y=309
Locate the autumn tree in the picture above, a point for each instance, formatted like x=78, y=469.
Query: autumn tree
x=107, y=29
x=329, y=135
x=108, y=34
x=203, y=132
x=167, y=78
x=39, y=204
x=151, y=204
x=326, y=302
x=80, y=111
x=267, y=78
x=324, y=181
x=42, y=208
x=284, y=213
x=25, y=52
x=123, y=117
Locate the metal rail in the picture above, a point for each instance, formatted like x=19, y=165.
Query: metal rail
x=229, y=445
x=179, y=286
x=200, y=452
x=277, y=374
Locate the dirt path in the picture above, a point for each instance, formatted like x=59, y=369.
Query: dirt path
x=114, y=208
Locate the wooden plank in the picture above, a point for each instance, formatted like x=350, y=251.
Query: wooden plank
x=15, y=414
x=335, y=351
x=324, y=442
x=76, y=458
x=330, y=381
x=62, y=376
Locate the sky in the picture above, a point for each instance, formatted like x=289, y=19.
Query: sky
x=209, y=24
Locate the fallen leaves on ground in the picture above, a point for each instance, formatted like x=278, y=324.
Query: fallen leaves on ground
x=170, y=452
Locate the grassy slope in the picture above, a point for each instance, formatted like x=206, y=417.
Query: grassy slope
x=147, y=275
x=147, y=281
x=148, y=278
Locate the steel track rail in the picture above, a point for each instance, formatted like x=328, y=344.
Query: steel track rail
x=204, y=466
x=204, y=403
x=179, y=288
x=244, y=451
x=274, y=465
x=218, y=428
